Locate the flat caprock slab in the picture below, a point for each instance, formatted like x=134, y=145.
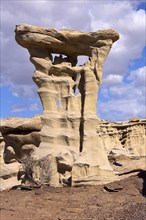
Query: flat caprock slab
x=65, y=42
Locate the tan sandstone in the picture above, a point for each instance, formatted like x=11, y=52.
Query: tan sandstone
x=20, y=136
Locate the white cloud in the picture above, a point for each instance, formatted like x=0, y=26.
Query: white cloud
x=116, y=110
x=112, y=79
x=125, y=100
x=138, y=77
x=34, y=107
x=24, y=90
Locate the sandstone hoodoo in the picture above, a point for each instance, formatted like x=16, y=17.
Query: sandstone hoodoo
x=68, y=93
x=70, y=151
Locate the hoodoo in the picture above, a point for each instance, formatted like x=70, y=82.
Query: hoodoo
x=70, y=151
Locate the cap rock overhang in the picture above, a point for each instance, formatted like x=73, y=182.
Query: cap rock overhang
x=66, y=42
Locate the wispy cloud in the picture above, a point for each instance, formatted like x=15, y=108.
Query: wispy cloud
x=18, y=108
x=25, y=107
x=34, y=107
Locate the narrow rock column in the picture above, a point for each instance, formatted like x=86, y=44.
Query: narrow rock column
x=69, y=141
x=60, y=135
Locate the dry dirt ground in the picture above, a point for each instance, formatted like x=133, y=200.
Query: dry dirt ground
x=122, y=200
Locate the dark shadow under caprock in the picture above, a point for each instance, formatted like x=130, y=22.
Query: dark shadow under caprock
x=82, y=91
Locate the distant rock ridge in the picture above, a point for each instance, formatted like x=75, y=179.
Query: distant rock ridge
x=130, y=135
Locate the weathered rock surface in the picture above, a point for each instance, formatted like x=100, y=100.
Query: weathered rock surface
x=8, y=172
x=66, y=42
x=14, y=167
x=128, y=137
x=125, y=144
x=20, y=137
x=8, y=175
x=10, y=125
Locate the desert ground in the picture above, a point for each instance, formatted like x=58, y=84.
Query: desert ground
x=120, y=200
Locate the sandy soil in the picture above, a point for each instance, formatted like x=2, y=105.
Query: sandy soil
x=122, y=200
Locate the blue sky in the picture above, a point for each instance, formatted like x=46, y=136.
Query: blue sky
x=122, y=93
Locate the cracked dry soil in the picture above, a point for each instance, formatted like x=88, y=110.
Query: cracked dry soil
x=120, y=200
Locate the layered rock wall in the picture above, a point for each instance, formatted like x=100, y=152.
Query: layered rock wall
x=125, y=145
x=129, y=136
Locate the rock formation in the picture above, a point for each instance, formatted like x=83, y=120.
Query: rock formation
x=69, y=146
x=129, y=136
x=68, y=137
x=21, y=136
x=125, y=145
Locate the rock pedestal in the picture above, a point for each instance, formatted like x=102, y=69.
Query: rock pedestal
x=69, y=144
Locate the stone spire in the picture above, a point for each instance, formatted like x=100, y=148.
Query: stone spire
x=69, y=143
